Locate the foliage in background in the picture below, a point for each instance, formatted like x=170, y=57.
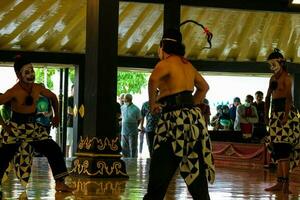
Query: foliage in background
x=39, y=76
x=128, y=82
x=72, y=75
x=131, y=82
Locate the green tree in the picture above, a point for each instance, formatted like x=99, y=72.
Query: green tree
x=72, y=75
x=40, y=72
x=131, y=82
x=39, y=76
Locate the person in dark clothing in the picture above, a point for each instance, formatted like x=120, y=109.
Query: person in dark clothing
x=232, y=110
x=70, y=132
x=260, y=128
x=205, y=111
x=151, y=122
x=118, y=119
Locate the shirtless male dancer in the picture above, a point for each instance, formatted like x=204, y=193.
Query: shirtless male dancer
x=283, y=135
x=181, y=137
x=23, y=128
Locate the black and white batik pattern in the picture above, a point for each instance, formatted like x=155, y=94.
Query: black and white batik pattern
x=185, y=128
x=22, y=161
x=288, y=133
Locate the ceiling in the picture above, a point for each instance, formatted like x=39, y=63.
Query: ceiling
x=239, y=35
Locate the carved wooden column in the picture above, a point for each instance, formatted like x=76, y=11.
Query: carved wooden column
x=98, y=151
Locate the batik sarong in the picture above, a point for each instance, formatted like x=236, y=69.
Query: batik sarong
x=288, y=133
x=22, y=134
x=184, y=128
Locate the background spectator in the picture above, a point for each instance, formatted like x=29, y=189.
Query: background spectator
x=131, y=117
x=69, y=149
x=246, y=116
x=151, y=121
x=260, y=129
x=232, y=110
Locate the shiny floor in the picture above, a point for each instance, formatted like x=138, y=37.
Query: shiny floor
x=231, y=183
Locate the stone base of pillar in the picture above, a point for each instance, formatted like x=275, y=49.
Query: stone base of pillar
x=98, y=167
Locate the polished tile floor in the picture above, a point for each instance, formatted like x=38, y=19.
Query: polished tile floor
x=232, y=183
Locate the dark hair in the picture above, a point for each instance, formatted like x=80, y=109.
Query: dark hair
x=219, y=107
x=259, y=93
x=205, y=101
x=171, y=42
x=237, y=99
x=276, y=54
x=225, y=107
x=20, y=61
x=249, y=96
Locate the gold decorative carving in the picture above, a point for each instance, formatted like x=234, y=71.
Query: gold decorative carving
x=82, y=169
x=100, y=143
x=81, y=111
x=75, y=110
x=115, y=187
x=97, y=155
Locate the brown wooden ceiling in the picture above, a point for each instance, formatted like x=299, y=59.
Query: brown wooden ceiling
x=239, y=35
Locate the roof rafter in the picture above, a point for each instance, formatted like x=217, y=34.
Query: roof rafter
x=279, y=5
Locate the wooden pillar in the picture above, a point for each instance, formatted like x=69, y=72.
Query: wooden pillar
x=64, y=107
x=98, y=152
x=78, y=104
x=296, y=90
x=171, y=14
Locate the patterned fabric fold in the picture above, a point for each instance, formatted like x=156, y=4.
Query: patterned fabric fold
x=185, y=128
x=289, y=133
x=22, y=161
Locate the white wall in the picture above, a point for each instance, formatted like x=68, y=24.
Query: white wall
x=7, y=78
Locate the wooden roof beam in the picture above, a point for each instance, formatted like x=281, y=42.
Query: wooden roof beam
x=278, y=5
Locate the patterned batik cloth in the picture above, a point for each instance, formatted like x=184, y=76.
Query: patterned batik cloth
x=22, y=161
x=184, y=128
x=289, y=133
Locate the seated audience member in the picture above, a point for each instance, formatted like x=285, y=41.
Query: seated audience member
x=225, y=120
x=246, y=116
x=260, y=129
x=232, y=110
x=215, y=121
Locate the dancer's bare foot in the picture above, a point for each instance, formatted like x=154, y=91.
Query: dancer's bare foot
x=276, y=187
x=62, y=187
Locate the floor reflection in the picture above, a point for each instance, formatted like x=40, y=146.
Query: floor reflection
x=232, y=183
x=98, y=187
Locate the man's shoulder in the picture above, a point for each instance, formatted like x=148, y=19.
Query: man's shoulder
x=145, y=105
x=136, y=107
